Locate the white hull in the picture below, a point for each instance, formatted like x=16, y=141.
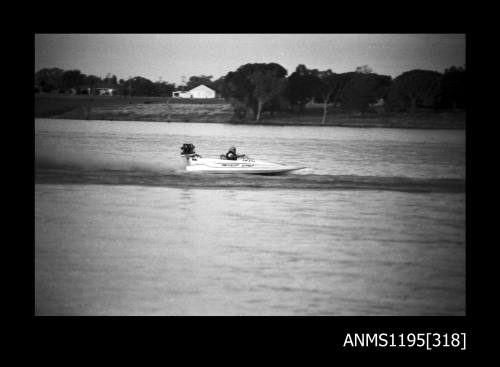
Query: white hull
x=245, y=165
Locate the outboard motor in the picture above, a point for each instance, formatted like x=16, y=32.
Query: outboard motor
x=187, y=152
x=187, y=149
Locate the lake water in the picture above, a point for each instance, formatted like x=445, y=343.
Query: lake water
x=375, y=225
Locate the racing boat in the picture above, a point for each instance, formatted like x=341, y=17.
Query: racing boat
x=196, y=163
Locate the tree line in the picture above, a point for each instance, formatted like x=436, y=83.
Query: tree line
x=64, y=81
x=256, y=88
x=54, y=79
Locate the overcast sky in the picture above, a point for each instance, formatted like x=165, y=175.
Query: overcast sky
x=171, y=56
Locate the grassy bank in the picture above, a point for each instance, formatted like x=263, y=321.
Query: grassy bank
x=219, y=111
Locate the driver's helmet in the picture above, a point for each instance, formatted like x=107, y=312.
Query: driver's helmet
x=232, y=149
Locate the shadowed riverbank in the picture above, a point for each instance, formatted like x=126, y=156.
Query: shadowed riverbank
x=160, y=109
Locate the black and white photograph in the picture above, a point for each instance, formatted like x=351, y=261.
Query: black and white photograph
x=249, y=174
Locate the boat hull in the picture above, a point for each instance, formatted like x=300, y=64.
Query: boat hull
x=208, y=165
x=242, y=170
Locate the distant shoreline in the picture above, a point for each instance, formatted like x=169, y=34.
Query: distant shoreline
x=157, y=109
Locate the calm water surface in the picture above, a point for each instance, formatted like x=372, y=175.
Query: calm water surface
x=374, y=226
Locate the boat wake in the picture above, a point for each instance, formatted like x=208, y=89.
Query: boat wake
x=145, y=174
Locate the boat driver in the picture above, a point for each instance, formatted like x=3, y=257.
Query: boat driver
x=231, y=154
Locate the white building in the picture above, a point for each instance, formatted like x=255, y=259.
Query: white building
x=105, y=91
x=181, y=94
x=201, y=91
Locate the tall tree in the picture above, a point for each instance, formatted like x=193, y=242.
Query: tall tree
x=217, y=84
x=140, y=86
x=415, y=88
x=72, y=78
x=251, y=86
x=302, y=86
x=267, y=86
x=453, y=88
x=331, y=88
x=238, y=91
x=49, y=78
x=363, y=89
x=329, y=84
x=163, y=89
